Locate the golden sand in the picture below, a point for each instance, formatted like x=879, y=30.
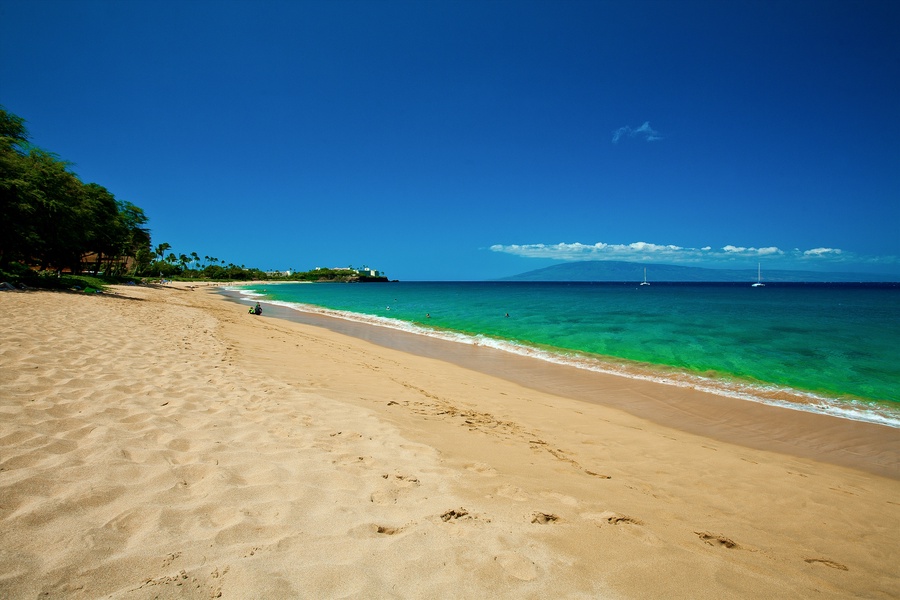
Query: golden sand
x=162, y=443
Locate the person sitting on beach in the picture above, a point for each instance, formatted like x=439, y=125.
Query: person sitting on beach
x=258, y=309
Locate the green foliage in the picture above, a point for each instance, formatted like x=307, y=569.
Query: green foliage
x=12, y=127
x=18, y=273
x=49, y=219
x=326, y=275
x=329, y=275
x=25, y=277
x=163, y=269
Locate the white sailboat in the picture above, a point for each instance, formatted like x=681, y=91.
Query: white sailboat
x=645, y=282
x=759, y=282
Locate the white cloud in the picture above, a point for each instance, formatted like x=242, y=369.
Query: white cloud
x=644, y=131
x=647, y=132
x=646, y=251
x=751, y=251
x=822, y=251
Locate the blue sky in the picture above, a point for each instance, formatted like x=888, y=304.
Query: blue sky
x=477, y=139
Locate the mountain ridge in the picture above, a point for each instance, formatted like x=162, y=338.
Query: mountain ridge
x=631, y=271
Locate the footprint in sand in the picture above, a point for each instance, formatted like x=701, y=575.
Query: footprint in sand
x=613, y=518
x=455, y=513
x=624, y=525
x=568, y=500
x=717, y=540
x=543, y=518
x=397, y=487
x=516, y=565
x=482, y=469
x=827, y=563
x=371, y=530
x=511, y=492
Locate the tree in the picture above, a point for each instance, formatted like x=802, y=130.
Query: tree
x=161, y=250
x=16, y=196
x=49, y=218
x=105, y=231
x=136, y=244
x=195, y=263
x=12, y=127
x=142, y=260
x=58, y=239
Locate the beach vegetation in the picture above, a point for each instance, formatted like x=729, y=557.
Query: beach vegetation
x=52, y=221
x=24, y=277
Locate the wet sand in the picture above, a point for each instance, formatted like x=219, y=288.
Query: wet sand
x=161, y=442
x=867, y=446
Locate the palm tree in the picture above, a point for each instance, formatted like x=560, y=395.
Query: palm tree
x=161, y=250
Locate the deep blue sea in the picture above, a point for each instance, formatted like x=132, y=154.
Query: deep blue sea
x=832, y=348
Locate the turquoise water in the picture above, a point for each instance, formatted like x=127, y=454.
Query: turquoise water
x=826, y=348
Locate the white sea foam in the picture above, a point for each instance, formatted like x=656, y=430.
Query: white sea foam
x=246, y=292
x=856, y=410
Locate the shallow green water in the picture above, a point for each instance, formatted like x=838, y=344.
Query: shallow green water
x=838, y=342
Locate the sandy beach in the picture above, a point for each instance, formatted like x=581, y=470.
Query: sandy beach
x=159, y=442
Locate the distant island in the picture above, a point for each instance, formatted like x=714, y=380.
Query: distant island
x=336, y=275
x=600, y=271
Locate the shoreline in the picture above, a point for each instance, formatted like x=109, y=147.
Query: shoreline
x=872, y=447
x=840, y=401
x=161, y=442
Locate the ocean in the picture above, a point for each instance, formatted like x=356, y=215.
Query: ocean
x=829, y=348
